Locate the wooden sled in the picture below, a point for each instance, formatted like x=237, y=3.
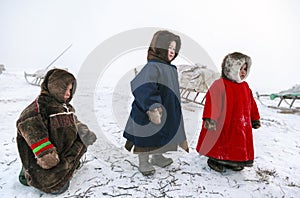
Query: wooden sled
x=194, y=81
x=37, y=78
x=2, y=68
x=289, y=100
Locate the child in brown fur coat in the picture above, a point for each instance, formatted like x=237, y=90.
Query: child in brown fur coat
x=50, y=139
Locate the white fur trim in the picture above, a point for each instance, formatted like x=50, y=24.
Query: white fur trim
x=233, y=66
x=64, y=113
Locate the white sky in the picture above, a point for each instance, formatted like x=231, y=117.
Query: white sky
x=34, y=32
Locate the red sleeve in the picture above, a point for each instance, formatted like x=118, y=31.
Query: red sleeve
x=214, y=100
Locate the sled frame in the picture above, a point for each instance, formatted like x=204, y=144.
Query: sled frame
x=35, y=80
x=288, y=97
x=186, y=92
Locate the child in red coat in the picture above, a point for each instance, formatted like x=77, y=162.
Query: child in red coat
x=229, y=114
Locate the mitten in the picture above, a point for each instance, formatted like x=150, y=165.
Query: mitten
x=210, y=124
x=155, y=115
x=48, y=161
x=256, y=124
x=184, y=145
x=90, y=138
x=87, y=136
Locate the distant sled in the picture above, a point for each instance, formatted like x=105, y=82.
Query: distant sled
x=37, y=77
x=285, y=97
x=2, y=68
x=289, y=97
x=194, y=81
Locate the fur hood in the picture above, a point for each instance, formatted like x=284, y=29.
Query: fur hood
x=159, y=45
x=56, y=82
x=232, y=64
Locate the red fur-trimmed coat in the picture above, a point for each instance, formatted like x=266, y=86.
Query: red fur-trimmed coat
x=232, y=106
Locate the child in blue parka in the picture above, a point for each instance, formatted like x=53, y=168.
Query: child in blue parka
x=155, y=125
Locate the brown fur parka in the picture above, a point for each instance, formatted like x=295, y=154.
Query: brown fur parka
x=49, y=124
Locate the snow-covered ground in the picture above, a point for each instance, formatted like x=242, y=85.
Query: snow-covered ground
x=108, y=170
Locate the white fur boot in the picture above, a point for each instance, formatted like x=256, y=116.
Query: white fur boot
x=144, y=166
x=160, y=160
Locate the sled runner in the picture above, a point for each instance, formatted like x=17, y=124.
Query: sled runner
x=194, y=81
x=37, y=77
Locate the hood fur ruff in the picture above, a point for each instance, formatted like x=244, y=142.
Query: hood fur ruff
x=232, y=64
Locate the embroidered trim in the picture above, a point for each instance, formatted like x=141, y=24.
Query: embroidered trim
x=41, y=146
x=36, y=105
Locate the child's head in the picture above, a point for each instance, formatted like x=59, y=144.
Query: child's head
x=164, y=46
x=59, y=84
x=236, y=66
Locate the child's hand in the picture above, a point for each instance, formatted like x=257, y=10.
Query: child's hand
x=89, y=139
x=210, y=124
x=155, y=115
x=87, y=136
x=48, y=161
x=256, y=124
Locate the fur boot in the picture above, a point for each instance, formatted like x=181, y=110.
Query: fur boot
x=144, y=166
x=160, y=160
